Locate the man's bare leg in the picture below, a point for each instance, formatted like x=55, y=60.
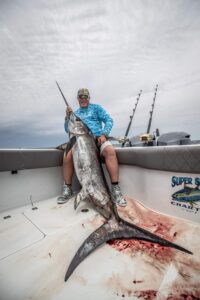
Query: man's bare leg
x=111, y=163
x=113, y=169
x=68, y=167
x=68, y=170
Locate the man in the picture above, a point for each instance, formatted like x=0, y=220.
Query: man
x=93, y=115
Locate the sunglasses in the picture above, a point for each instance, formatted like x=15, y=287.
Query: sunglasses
x=83, y=97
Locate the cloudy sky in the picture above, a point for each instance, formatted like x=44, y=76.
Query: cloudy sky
x=112, y=47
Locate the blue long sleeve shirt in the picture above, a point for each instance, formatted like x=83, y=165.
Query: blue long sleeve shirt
x=94, y=116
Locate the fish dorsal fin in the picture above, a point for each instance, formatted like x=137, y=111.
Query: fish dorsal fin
x=186, y=186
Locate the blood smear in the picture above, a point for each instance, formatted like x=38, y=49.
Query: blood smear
x=153, y=249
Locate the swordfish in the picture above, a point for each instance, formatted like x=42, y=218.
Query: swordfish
x=90, y=174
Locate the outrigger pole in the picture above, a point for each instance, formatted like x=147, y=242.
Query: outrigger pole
x=131, y=119
x=151, y=111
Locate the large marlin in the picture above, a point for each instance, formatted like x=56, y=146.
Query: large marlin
x=95, y=190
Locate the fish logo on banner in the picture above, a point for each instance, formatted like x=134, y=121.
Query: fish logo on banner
x=188, y=196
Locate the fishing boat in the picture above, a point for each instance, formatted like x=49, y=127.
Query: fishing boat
x=39, y=237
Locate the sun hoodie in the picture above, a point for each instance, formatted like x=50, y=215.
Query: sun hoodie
x=94, y=116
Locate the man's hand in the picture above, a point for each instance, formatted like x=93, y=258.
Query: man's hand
x=68, y=111
x=101, y=139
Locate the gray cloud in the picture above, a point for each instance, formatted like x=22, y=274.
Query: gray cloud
x=16, y=135
x=115, y=48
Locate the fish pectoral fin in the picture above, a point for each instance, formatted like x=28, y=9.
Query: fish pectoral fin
x=79, y=197
x=191, y=203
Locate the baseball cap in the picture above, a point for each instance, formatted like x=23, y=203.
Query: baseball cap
x=83, y=92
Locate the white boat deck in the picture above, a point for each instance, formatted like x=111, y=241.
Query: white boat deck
x=37, y=246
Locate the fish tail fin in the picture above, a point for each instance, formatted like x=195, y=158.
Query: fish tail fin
x=146, y=235
x=101, y=235
x=113, y=229
x=143, y=234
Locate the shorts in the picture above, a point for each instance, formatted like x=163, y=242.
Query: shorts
x=104, y=145
x=73, y=140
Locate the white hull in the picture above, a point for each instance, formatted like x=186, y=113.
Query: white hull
x=37, y=245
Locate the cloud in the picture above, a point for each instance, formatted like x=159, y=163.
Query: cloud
x=115, y=48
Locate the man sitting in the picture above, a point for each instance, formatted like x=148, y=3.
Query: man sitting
x=93, y=115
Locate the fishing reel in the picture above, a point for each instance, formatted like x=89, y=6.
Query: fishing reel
x=147, y=137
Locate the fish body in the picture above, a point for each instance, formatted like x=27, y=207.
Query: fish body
x=88, y=170
x=187, y=194
x=89, y=174
x=94, y=189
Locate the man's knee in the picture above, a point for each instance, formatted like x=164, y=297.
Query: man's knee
x=109, y=151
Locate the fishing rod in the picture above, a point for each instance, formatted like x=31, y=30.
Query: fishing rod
x=151, y=111
x=131, y=119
